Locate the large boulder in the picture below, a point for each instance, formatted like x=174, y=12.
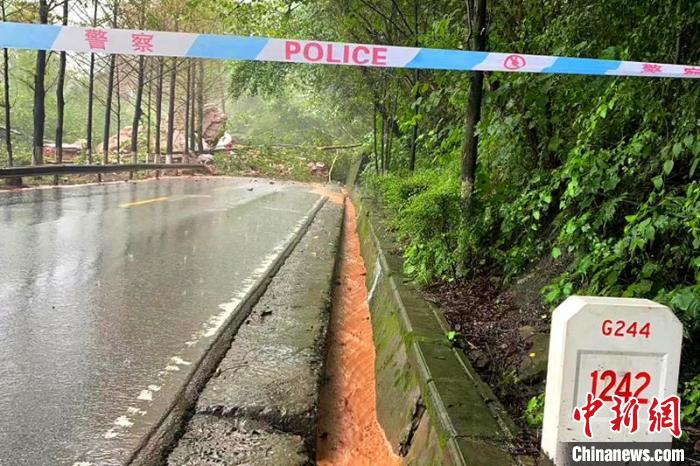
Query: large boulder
x=214, y=124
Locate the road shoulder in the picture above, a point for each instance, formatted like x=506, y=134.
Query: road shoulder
x=260, y=405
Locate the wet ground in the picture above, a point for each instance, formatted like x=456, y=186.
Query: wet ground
x=104, y=288
x=260, y=406
x=349, y=433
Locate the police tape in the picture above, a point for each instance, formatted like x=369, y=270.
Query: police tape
x=178, y=44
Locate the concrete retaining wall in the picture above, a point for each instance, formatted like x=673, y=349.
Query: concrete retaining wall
x=431, y=403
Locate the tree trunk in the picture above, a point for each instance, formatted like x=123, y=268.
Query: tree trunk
x=390, y=133
x=107, y=129
x=414, y=134
x=159, y=111
x=6, y=78
x=60, y=98
x=137, y=112
x=171, y=114
x=119, y=111
x=138, y=106
x=40, y=94
x=382, y=155
x=91, y=91
x=476, y=92
x=193, y=93
x=188, y=97
x=374, y=140
x=149, y=111
x=106, y=134
x=200, y=109
x=416, y=96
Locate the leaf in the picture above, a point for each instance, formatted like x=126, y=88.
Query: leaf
x=609, y=54
x=556, y=253
x=554, y=144
x=658, y=182
x=694, y=167
x=603, y=111
x=677, y=149
x=668, y=166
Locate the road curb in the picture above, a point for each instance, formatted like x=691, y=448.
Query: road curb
x=433, y=406
x=162, y=437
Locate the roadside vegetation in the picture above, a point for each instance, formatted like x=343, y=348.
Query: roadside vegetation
x=590, y=184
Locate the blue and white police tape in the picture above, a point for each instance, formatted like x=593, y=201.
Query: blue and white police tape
x=177, y=44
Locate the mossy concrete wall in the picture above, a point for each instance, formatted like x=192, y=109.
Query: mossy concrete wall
x=432, y=405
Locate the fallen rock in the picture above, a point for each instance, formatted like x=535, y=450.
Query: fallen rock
x=318, y=168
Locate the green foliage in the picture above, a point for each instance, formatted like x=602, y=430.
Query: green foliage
x=534, y=412
x=691, y=402
x=428, y=220
x=598, y=175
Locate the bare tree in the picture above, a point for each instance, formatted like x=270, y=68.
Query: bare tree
x=119, y=112
x=149, y=110
x=40, y=94
x=200, y=108
x=60, y=98
x=159, y=111
x=91, y=92
x=110, y=95
x=188, y=97
x=8, y=105
x=193, y=90
x=137, y=111
x=171, y=114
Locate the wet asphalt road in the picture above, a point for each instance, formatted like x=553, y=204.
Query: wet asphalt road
x=101, y=285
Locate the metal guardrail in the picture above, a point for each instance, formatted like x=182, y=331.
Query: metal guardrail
x=54, y=170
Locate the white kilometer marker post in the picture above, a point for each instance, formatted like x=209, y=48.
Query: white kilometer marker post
x=596, y=345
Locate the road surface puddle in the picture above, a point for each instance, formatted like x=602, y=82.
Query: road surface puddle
x=348, y=430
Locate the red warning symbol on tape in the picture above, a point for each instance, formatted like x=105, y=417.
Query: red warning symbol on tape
x=514, y=62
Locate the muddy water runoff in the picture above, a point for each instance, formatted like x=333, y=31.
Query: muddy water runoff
x=348, y=431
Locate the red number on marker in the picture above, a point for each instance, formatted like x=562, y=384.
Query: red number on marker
x=647, y=380
x=646, y=330
x=623, y=389
x=621, y=329
x=612, y=378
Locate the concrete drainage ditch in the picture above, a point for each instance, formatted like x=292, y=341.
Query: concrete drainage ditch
x=431, y=403
x=261, y=405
